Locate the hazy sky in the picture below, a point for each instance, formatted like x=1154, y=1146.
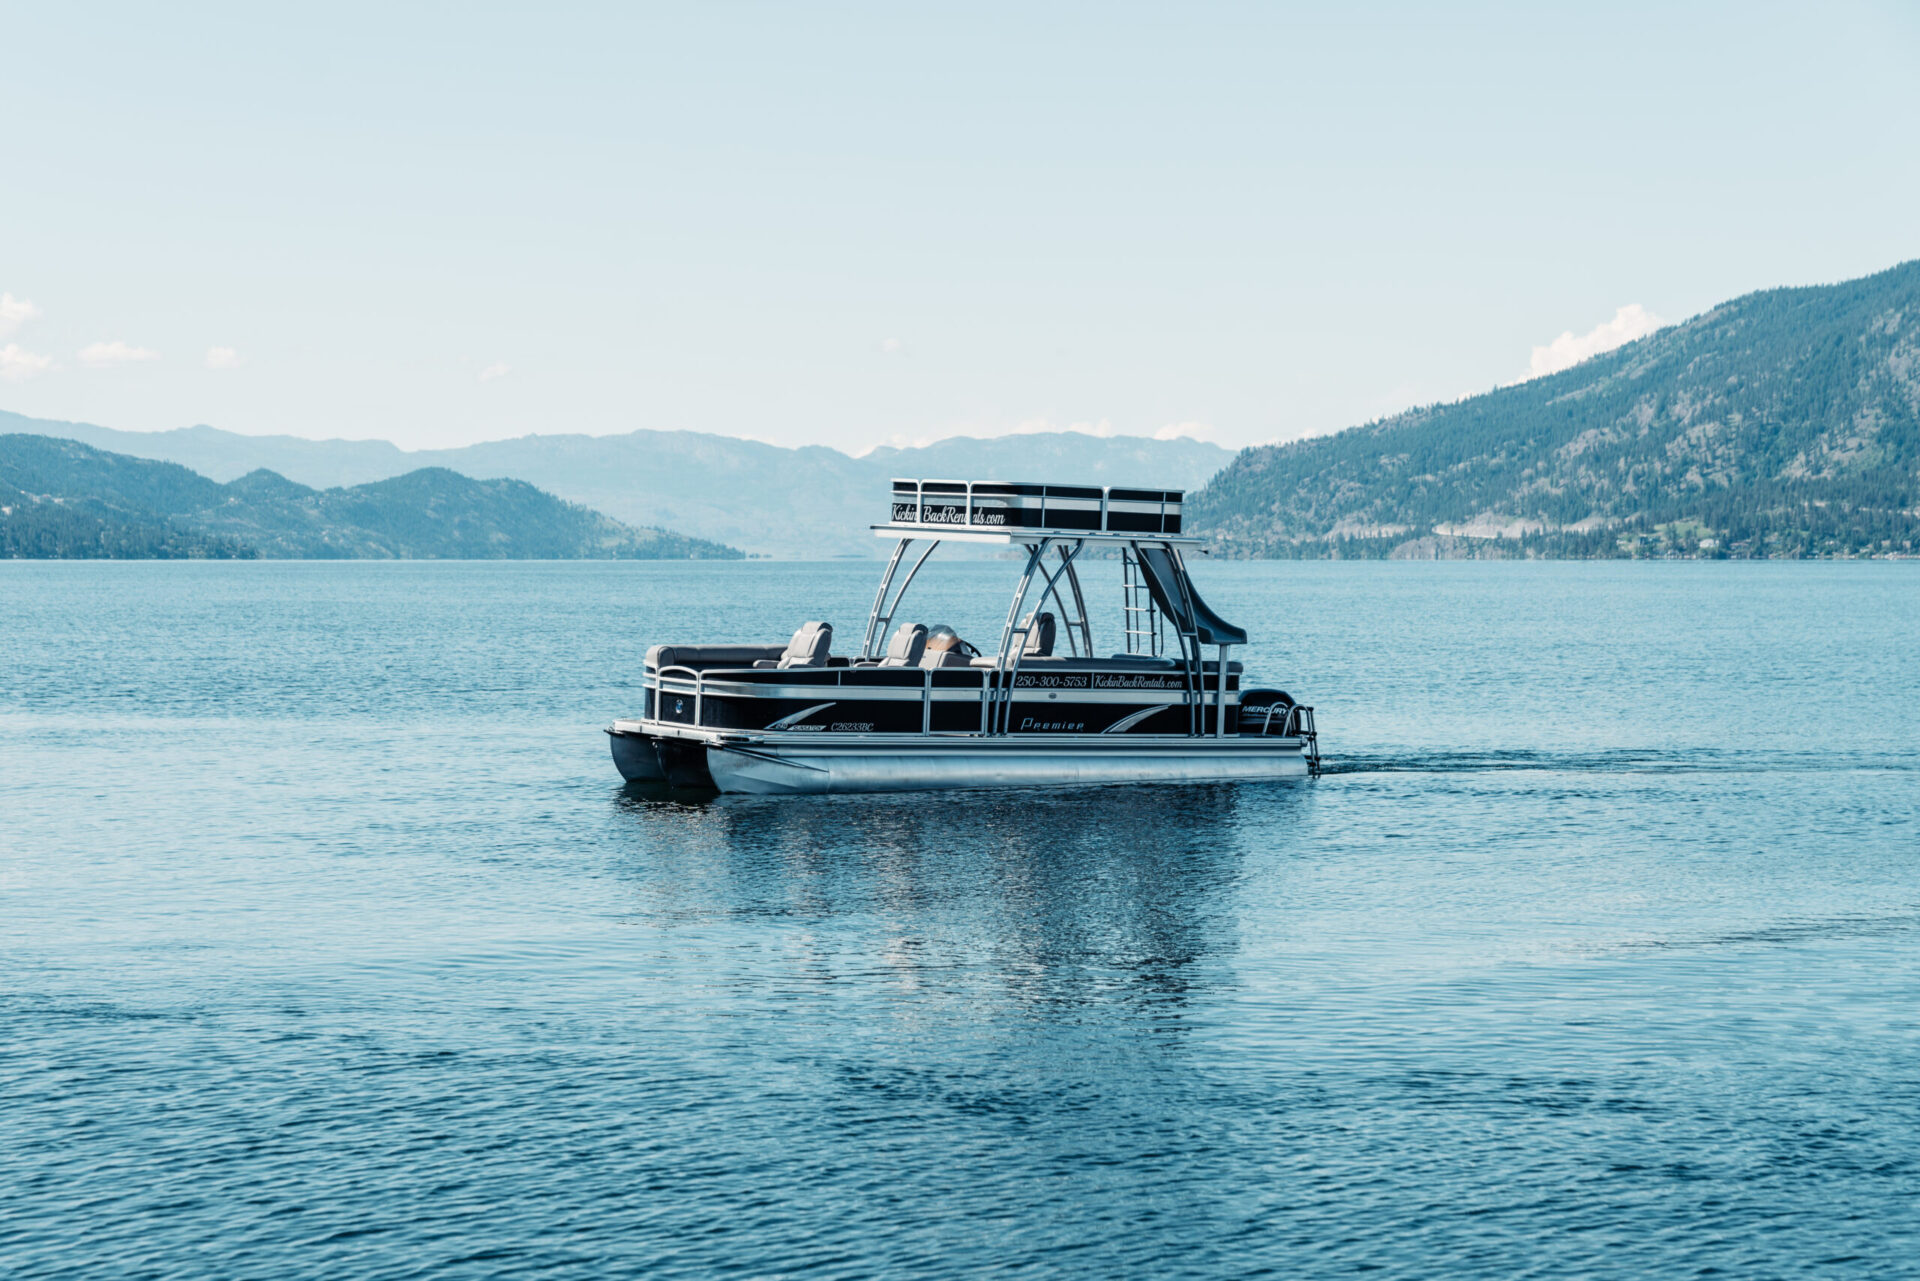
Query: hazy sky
x=846, y=224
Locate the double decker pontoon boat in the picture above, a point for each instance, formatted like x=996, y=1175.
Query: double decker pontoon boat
x=913, y=712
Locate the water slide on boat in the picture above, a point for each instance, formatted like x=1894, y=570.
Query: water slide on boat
x=912, y=711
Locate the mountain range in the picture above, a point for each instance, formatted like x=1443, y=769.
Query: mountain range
x=807, y=503
x=60, y=498
x=1784, y=423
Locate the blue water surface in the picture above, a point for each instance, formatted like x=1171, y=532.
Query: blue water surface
x=330, y=944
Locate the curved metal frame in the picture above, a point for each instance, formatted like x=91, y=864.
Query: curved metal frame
x=1078, y=617
x=878, y=622
x=1052, y=589
x=880, y=597
x=999, y=709
x=996, y=694
x=996, y=708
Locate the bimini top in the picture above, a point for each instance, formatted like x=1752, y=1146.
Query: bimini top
x=1010, y=511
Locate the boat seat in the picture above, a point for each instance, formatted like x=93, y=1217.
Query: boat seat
x=1041, y=630
x=906, y=647
x=946, y=649
x=698, y=656
x=808, y=648
x=1040, y=633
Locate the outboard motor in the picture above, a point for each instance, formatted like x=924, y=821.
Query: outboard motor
x=1265, y=711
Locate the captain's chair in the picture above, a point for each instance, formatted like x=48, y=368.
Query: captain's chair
x=1040, y=632
x=946, y=649
x=808, y=648
x=1041, y=629
x=906, y=647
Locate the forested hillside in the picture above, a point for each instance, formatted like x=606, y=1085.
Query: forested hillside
x=1785, y=423
x=63, y=499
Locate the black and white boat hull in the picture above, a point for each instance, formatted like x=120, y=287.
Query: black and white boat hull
x=794, y=764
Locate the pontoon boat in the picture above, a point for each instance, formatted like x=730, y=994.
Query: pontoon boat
x=909, y=711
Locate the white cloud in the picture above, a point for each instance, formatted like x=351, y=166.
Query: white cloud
x=1035, y=426
x=899, y=440
x=15, y=312
x=1026, y=427
x=1630, y=322
x=498, y=369
x=18, y=366
x=1190, y=430
x=101, y=354
x=891, y=346
x=1103, y=429
x=222, y=358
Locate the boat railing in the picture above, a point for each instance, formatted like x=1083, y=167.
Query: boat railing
x=996, y=693
x=693, y=680
x=688, y=682
x=1296, y=721
x=997, y=687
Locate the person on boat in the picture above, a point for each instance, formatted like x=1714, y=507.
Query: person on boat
x=946, y=649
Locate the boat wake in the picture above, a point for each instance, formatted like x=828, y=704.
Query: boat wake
x=1620, y=761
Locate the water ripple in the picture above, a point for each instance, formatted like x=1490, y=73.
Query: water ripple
x=331, y=946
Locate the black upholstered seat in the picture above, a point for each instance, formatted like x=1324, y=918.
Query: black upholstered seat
x=1040, y=634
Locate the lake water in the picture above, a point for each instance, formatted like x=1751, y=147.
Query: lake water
x=330, y=944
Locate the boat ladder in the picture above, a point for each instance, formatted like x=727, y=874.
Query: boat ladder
x=1145, y=628
x=1301, y=723
x=1298, y=723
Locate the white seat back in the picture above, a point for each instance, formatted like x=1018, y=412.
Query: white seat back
x=906, y=647
x=809, y=646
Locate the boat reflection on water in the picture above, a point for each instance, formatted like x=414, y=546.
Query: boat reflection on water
x=1024, y=898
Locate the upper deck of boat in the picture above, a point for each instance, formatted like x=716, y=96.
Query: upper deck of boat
x=1008, y=512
